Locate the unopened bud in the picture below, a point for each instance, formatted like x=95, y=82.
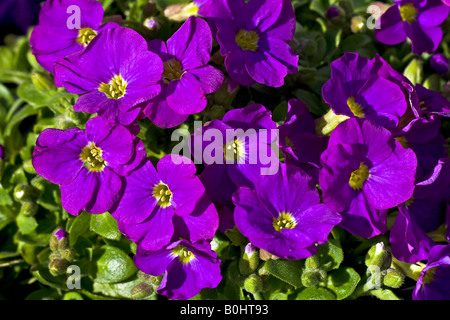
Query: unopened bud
x=29, y=208
x=152, y=25
x=43, y=81
x=312, y=263
x=59, y=240
x=358, y=24
x=253, y=284
x=69, y=254
x=58, y=266
x=180, y=12
x=142, y=290
x=378, y=256
x=2, y=152
x=336, y=15
x=250, y=260
x=312, y=278
x=264, y=255
x=23, y=192
x=393, y=278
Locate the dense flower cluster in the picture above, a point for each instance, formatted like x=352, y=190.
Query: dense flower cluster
x=284, y=192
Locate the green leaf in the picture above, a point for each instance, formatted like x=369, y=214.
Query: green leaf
x=117, y=290
x=315, y=293
x=106, y=226
x=313, y=103
x=29, y=93
x=78, y=226
x=414, y=71
x=343, y=282
x=354, y=42
x=26, y=224
x=330, y=254
x=114, y=266
x=384, y=294
x=289, y=271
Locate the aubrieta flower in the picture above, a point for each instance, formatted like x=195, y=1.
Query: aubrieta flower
x=254, y=38
x=88, y=165
x=432, y=102
x=355, y=88
x=417, y=20
x=440, y=63
x=187, y=77
x=365, y=172
x=423, y=212
x=58, y=35
x=283, y=214
x=152, y=197
x=298, y=140
x=114, y=75
x=434, y=281
x=237, y=159
x=186, y=268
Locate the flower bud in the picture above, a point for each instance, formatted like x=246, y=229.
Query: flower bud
x=43, y=81
x=58, y=267
x=151, y=25
x=253, y=284
x=142, y=290
x=440, y=63
x=23, y=192
x=250, y=260
x=29, y=208
x=358, y=24
x=2, y=152
x=264, y=255
x=335, y=14
x=180, y=12
x=312, y=278
x=59, y=240
x=69, y=254
x=312, y=263
x=393, y=278
x=378, y=256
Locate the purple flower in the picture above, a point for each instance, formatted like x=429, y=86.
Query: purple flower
x=414, y=19
x=152, y=198
x=2, y=152
x=298, y=139
x=187, y=268
x=283, y=214
x=187, y=77
x=241, y=153
x=355, y=88
x=440, y=63
x=115, y=85
x=432, y=102
x=58, y=35
x=254, y=38
x=88, y=165
x=203, y=7
x=434, y=281
x=364, y=173
x=423, y=213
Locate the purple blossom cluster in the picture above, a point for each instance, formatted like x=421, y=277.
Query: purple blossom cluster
x=386, y=158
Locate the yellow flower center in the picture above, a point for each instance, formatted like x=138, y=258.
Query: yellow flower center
x=234, y=150
x=359, y=176
x=408, y=12
x=172, y=70
x=355, y=108
x=284, y=221
x=247, y=40
x=92, y=157
x=85, y=35
x=115, y=89
x=163, y=194
x=183, y=254
x=402, y=141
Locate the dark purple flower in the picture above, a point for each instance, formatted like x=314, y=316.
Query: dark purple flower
x=235, y=150
x=152, y=198
x=58, y=35
x=432, y=102
x=2, y=152
x=298, y=139
x=417, y=20
x=60, y=234
x=20, y=13
x=423, y=213
x=187, y=268
x=440, y=63
x=254, y=38
x=88, y=165
x=203, y=7
x=187, y=77
x=332, y=12
x=355, y=88
x=283, y=214
x=365, y=172
x=434, y=281
x=115, y=85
